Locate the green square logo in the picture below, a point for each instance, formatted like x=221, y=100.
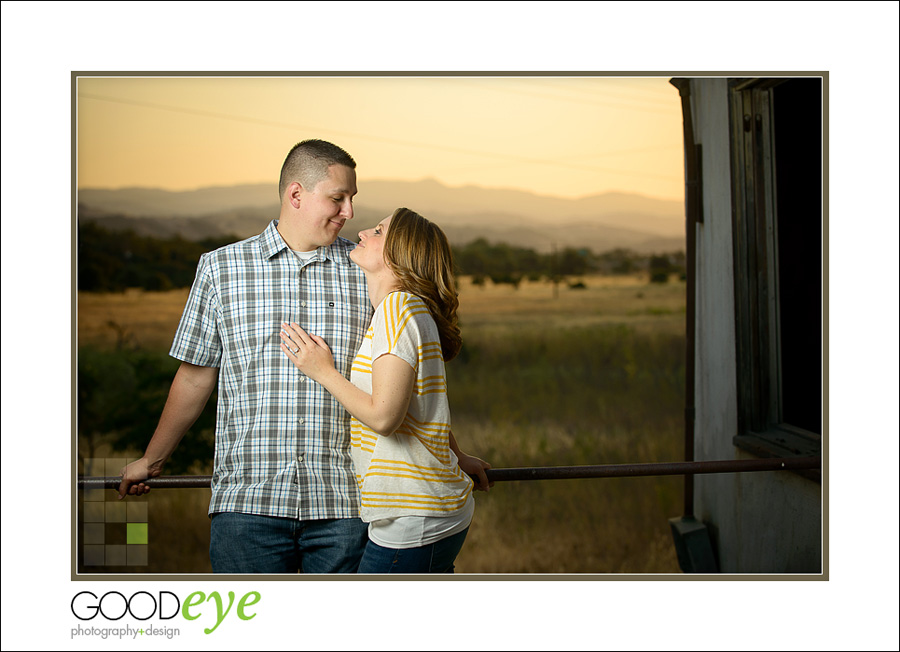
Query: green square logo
x=137, y=533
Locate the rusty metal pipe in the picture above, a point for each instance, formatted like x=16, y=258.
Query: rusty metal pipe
x=653, y=469
x=537, y=473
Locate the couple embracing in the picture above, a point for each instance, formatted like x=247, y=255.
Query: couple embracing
x=334, y=452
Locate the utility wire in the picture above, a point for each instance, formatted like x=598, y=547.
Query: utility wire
x=591, y=102
x=393, y=141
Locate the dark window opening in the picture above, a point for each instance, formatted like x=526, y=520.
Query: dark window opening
x=777, y=211
x=797, y=111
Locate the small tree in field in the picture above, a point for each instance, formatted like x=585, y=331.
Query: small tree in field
x=660, y=268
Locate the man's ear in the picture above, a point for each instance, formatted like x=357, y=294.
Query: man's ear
x=294, y=194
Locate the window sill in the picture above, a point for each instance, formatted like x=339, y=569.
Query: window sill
x=783, y=441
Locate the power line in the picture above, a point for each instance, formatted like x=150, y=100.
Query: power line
x=591, y=102
x=393, y=141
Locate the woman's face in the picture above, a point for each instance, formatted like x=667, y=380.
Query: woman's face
x=369, y=253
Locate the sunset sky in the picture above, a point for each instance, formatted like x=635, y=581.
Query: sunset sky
x=553, y=135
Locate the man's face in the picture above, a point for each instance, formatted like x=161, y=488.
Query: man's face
x=326, y=208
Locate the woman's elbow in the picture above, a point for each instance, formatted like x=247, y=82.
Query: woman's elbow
x=387, y=426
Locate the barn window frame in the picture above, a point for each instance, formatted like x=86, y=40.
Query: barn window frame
x=763, y=279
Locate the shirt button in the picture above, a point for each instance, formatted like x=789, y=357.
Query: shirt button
x=303, y=304
x=300, y=421
x=300, y=458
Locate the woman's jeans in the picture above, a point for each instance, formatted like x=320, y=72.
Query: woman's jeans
x=437, y=557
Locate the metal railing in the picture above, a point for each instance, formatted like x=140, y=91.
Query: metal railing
x=537, y=473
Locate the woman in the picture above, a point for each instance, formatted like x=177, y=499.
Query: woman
x=415, y=489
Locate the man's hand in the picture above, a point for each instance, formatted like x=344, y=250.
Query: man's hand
x=132, y=476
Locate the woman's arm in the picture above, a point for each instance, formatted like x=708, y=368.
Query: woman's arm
x=393, y=380
x=473, y=466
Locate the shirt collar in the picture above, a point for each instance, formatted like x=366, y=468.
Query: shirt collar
x=271, y=243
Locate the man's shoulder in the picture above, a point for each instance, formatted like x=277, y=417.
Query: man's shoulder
x=339, y=251
x=342, y=246
x=241, y=248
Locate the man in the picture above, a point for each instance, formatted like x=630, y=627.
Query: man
x=284, y=497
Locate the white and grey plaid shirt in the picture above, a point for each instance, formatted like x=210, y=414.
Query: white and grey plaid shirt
x=282, y=441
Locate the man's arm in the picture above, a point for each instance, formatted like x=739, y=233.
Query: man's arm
x=188, y=395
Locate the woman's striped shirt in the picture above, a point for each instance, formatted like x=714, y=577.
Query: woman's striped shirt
x=413, y=471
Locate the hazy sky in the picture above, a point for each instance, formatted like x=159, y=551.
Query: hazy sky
x=553, y=135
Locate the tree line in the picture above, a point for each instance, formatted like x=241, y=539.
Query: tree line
x=112, y=261
x=503, y=263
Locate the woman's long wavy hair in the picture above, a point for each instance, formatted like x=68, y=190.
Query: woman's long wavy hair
x=418, y=253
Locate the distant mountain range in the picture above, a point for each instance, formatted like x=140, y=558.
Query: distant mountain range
x=518, y=218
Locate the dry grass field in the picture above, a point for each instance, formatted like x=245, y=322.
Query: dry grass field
x=133, y=318
x=604, y=300
x=548, y=377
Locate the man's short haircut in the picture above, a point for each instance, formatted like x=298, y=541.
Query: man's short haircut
x=308, y=163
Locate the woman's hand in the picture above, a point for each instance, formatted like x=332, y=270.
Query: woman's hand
x=475, y=467
x=309, y=353
x=393, y=380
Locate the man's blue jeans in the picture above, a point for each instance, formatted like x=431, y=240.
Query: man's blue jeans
x=437, y=557
x=246, y=543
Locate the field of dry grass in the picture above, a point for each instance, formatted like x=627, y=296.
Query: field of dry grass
x=604, y=300
x=133, y=318
x=549, y=377
x=136, y=318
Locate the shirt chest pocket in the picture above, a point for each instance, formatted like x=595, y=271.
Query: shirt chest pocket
x=341, y=324
x=252, y=329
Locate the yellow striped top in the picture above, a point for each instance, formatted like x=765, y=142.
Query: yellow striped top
x=412, y=472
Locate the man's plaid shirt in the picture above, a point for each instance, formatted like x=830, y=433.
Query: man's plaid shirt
x=282, y=441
